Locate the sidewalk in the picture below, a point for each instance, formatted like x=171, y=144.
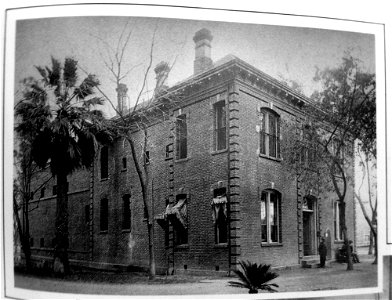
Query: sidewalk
x=290, y=280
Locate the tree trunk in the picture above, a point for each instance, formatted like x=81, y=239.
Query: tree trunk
x=375, y=250
x=150, y=226
x=371, y=237
x=60, y=262
x=24, y=235
x=342, y=221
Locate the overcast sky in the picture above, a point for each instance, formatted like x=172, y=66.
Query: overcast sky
x=290, y=52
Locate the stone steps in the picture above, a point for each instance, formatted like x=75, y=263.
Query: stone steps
x=312, y=261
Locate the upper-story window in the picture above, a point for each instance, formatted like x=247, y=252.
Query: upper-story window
x=220, y=139
x=181, y=137
x=269, y=133
x=104, y=162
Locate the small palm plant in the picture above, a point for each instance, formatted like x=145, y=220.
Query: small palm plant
x=255, y=277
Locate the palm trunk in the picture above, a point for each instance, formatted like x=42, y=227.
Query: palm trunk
x=61, y=263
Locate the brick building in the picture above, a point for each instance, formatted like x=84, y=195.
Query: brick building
x=218, y=189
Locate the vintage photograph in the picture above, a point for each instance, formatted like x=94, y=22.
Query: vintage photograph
x=180, y=156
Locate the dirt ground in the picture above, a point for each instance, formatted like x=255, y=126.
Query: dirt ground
x=333, y=277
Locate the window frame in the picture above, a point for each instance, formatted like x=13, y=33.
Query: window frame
x=268, y=240
x=270, y=142
x=338, y=233
x=181, y=137
x=126, y=212
x=219, y=224
x=104, y=215
x=220, y=125
x=104, y=163
x=181, y=235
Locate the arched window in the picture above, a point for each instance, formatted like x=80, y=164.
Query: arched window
x=269, y=133
x=270, y=215
x=104, y=160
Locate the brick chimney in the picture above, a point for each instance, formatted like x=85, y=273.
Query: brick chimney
x=203, y=59
x=121, y=97
x=162, y=73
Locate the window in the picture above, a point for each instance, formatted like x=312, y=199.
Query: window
x=270, y=214
x=104, y=160
x=338, y=231
x=42, y=242
x=126, y=222
x=147, y=157
x=168, y=150
x=103, y=225
x=42, y=193
x=87, y=213
x=219, y=203
x=269, y=133
x=124, y=163
x=181, y=231
x=181, y=137
x=54, y=190
x=220, y=126
x=31, y=242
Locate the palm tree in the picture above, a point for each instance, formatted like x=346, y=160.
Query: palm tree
x=255, y=277
x=66, y=128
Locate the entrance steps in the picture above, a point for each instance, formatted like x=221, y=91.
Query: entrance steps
x=312, y=261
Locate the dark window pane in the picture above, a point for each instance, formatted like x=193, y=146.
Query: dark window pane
x=220, y=125
x=126, y=213
x=87, y=213
x=104, y=215
x=181, y=137
x=42, y=242
x=124, y=162
x=104, y=162
x=42, y=192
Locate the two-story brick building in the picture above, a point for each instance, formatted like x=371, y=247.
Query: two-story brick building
x=218, y=189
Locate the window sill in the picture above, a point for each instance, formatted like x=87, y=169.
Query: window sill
x=339, y=242
x=271, y=244
x=270, y=157
x=215, y=152
x=126, y=230
x=180, y=160
x=182, y=247
x=124, y=170
x=220, y=245
x=104, y=179
x=103, y=232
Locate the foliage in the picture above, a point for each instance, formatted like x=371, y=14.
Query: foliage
x=63, y=125
x=255, y=277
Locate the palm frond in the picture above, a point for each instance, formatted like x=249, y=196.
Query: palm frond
x=70, y=75
x=86, y=88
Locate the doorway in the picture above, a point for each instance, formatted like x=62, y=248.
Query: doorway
x=309, y=226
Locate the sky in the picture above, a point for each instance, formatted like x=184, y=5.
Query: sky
x=280, y=51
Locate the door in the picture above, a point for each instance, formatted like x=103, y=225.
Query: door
x=307, y=233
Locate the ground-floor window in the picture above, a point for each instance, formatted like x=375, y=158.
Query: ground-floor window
x=270, y=214
x=104, y=215
x=219, y=206
x=338, y=230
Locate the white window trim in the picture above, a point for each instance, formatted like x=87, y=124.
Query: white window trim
x=267, y=215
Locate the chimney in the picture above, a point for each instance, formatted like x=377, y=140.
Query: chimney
x=162, y=72
x=203, y=59
x=121, y=97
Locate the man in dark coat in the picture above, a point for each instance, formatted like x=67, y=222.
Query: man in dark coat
x=323, y=253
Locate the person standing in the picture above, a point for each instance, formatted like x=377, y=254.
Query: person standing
x=322, y=252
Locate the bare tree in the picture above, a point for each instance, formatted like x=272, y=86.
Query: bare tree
x=143, y=113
